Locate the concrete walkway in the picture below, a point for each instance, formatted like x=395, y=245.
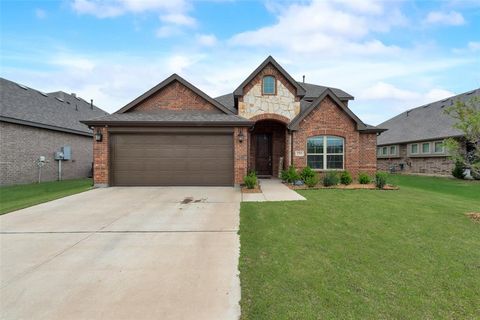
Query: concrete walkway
x=123, y=253
x=272, y=190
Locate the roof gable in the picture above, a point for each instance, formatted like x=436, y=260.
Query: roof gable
x=294, y=125
x=300, y=91
x=174, y=77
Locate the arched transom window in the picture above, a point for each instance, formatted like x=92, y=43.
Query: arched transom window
x=268, y=85
x=325, y=152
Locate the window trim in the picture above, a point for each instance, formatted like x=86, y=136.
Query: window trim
x=274, y=85
x=429, y=147
x=325, y=155
x=443, y=147
x=388, y=153
x=390, y=150
x=410, y=149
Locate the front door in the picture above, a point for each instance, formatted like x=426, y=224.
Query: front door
x=263, y=153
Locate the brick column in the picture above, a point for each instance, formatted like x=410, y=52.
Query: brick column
x=240, y=155
x=288, y=149
x=101, y=158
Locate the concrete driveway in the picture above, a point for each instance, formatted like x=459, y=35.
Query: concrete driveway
x=123, y=253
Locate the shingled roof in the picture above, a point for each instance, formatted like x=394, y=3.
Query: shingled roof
x=171, y=118
x=58, y=111
x=426, y=122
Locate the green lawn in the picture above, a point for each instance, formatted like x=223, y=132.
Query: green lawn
x=22, y=196
x=364, y=254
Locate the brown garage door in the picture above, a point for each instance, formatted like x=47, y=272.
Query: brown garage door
x=172, y=159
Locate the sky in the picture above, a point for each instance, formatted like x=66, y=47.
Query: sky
x=390, y=55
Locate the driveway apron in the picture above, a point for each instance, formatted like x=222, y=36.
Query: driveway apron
x=123, y=253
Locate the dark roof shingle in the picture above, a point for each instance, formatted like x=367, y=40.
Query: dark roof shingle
x=24, y=105
x=167, y=117
x=426, y=122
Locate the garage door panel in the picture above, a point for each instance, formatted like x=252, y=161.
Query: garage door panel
x=172, y=159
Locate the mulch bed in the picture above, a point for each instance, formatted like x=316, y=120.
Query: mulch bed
x=475, y=216
x=353, y=186
x=257, y=189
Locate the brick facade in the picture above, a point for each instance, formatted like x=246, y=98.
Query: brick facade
x=329, y=119
x=176, y=97
x=434, y=165
x=21, y=146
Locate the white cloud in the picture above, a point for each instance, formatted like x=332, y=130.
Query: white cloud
x=113, y=8
x=207, y=40
x=327, y=26
x=40, y=13
x=173, y=13
x=474, y=46
x=382, y=90
x=452, y=18
x=73, y=62
x=178, y=19
x=168, y=31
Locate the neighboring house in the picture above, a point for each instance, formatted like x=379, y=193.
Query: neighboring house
x=34, y=124
x=175, y=134
x=414, y=140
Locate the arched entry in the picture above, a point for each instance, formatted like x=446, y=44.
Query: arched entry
x=267, y=147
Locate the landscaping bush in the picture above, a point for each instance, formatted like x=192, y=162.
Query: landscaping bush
x=311, y=181
x=459, y=170
x=306, y=173
x=290, y=175
x=381, y=179
x=330, y=179
x=250, y=180
x=364, y=178
x=345, y=178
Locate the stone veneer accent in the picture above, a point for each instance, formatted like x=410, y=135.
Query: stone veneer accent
x=329, y=119
x=176, y=97
x=284, y=102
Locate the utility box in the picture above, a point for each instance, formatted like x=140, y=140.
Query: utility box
x=67, y=152
x=58, y=155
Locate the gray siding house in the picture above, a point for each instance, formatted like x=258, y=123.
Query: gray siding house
x=34, y=125
x=413, y=142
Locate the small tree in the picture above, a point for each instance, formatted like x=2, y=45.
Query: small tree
x=467, y=115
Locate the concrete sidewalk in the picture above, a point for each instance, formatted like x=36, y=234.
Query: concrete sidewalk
x=272, y=190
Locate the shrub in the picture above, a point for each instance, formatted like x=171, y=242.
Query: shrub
x=306, y=173
x=250, y=180
x=381, y=179
x=459, y=170
x=364, y=178
x=290, y=175
x=330, y=179
x=346, y=178
x=311, y=181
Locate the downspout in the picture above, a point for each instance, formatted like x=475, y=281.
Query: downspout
x=291, y=147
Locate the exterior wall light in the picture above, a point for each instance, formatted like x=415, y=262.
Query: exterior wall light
x=241, y=137
x=98, y=136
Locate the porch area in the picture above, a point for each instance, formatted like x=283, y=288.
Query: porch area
x=269, y=149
